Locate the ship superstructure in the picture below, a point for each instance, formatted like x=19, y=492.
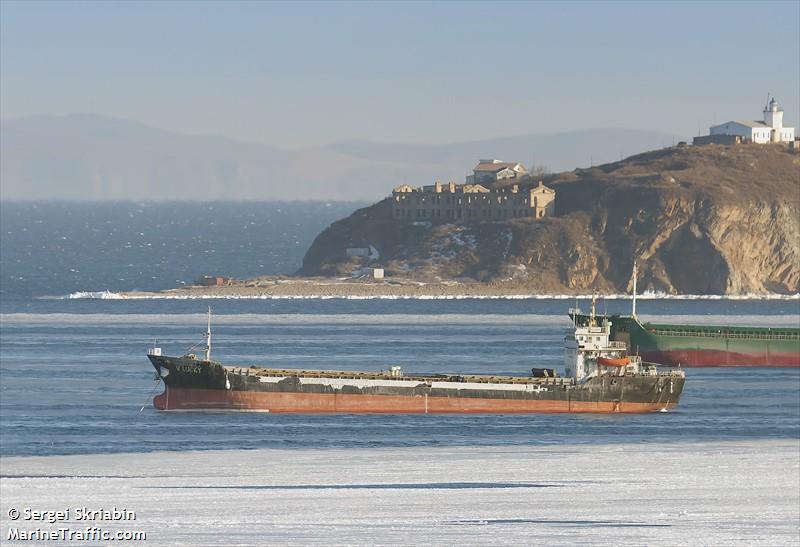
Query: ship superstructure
x=590, y=351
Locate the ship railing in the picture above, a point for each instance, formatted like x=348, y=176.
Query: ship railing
x=724, y=334
x=383, y=375
x=660, y=373
x=617, y=345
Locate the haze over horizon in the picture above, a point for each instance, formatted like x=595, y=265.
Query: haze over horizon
x=350, y=79
x=80, y=157
x=314, y=73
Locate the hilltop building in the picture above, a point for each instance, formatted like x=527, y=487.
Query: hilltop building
x=768, y=130
x=471, y=202
x=490, y=171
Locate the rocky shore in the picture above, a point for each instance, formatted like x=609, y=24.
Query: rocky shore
x=343, y=288
x=319, y=287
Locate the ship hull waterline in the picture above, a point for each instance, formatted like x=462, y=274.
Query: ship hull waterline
x=189, y=399
x=718, y=358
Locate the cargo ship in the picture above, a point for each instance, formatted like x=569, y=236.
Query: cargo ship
x=702, y=345
x=601, y=377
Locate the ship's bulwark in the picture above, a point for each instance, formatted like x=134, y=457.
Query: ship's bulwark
x=197, y=385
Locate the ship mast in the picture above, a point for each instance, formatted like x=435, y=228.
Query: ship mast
x=633, y=305
x=208, y=336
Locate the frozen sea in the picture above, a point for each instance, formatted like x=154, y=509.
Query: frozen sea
x=711, y=493
x=720, y=469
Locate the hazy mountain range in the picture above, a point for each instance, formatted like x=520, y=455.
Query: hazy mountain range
x=89, y=157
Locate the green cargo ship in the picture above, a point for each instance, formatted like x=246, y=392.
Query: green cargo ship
x=706, y=345
x=702, y=345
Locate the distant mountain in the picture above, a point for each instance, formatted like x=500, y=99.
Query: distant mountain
x=556, y=151
x=89, y=157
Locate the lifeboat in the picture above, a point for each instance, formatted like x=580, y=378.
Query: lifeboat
x=606, y=362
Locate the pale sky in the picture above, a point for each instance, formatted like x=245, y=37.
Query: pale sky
x=305, y=73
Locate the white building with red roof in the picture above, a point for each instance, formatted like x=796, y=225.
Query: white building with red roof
x=489, y=171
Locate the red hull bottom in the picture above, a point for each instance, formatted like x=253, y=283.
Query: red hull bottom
x=712, y=358
x=314, y=403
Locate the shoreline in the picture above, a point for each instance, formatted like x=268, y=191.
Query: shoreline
x=330, y=288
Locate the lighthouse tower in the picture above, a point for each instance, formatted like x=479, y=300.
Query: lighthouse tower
x=771, y=129
x=773, y=118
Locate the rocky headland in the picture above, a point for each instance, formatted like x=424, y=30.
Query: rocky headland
x=707, y=219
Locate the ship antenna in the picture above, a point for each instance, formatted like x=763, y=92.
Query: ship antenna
x=575, y=315
x=633, y=305
x=208, y=336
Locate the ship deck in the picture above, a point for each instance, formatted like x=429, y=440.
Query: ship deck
x=719, y=331
x=421, y=378
x=387, y=375
x=743, y=332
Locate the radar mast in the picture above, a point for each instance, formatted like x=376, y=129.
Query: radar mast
x=633, y=305
x=208, y=336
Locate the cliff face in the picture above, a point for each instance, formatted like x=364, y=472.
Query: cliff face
x=699, y=220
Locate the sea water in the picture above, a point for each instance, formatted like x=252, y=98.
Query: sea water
x=74, y=375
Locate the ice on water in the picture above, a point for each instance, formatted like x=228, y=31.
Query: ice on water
x=722, y=493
